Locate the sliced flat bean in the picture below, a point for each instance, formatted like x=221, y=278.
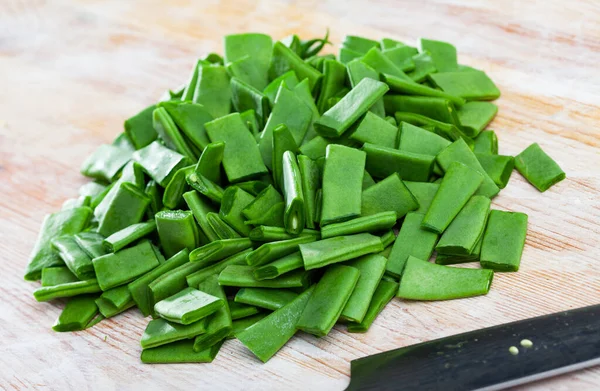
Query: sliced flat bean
x=269, y=298
x=170, y=134
x=382, y=162
x=280, y=326
x=219, y=325
x=382, y=64
x=413, y=241
x=371, y=268
x=538, y=168
x=246, y=97
x=418, y=140
x=503, y=241
x=359, y=44
x=339, y=249
x=439, y=109
x=69, y=289
x=240, y=311
x=57, y=275
x=388, y=238
x=422, y=280
x=284, y=60
x=221, y=228
x=234, y=201
x=466, y=229
x=255, y=187
x=188, y=306
x=424, y=66
x=205, y=186
x=212, y=89
x=472, y=85
x=128, y=235
x=486, y=142
x=443, y=54
x=358, y=70
x=161, y=332
x=268, y=252
x=76, y=315
x=283, y=140
x=266, y=233
x=159, y=162
x=375, y=130
x=498, y=167
x=153, y=191
x=334, y=76
x=266, y=209
x=370, y=223
x=197, y=276
x=243, y=276
x=106, y=162
x=311, y=182
x=190, y=117
x=385, y=291
x=409, y=87
x=74, y=257
x=126, y=208
x=242, y=324
x=177, y=230
x=335, y=121
x=139, y=128
x=218, y=250
x=209, y=164
x=290, y=79
x=401, y=56
x=294, y=214
x=390, y=194
x=460, y=152
x=278, y=267
x=423, y=193
x=475, y=116
x=328, y=300
x=179, y=352
x=448, y=131
x=200, y=208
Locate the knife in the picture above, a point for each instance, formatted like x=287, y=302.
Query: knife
x=493, y=358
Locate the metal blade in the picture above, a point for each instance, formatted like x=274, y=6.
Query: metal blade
x=481, y=360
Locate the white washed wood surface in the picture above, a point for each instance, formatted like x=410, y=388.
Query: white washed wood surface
x=72, y=71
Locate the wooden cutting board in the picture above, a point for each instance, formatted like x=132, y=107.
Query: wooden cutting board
x=72, y=71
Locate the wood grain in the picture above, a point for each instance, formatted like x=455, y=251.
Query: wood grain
x=72, y=71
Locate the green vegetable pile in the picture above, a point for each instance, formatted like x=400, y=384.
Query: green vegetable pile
x=265, y=195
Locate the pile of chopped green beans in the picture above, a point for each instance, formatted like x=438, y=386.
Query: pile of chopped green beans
x=281, y=190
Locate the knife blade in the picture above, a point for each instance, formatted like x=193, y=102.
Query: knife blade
x=486, y=359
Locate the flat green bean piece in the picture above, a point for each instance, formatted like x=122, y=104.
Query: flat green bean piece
x=139, y=128
x=212, y=89
x=76, y=315
x=422, y=280
x=161, y=332
x=57, y=275
x=310, y=176
x=241, y=158
x=375, y=130
x=382, y=64
x=302, y=90
x=473, y=85
x=246, y=97
x=65, y=222
x=205, y=186
x=170, y=134
x=271, y=90
x=200, y=207
x=190, y=119
x=239, y=311
x=95, y=320
x=238, y=325
x=126, y=208
x=128, y=235
x=439, y=109
x=538, y=168
x=290, y=110
x=413, y=241
x=423, y=193
x=179, y=352
x=268, y=298
x=456, y=188
x=139, y=288
x=424, y=66
x=280, y=266
x=466, y=229
x=284, y=59
x=218, y=250
x=266, y=209
x=121, y=267
x=234, y=201
x=390, y=194
x=92, y=189
x=443, y=259
x=243, y=276
x=257, y=48
x=294, y=214
x=486, y=142
x=371, y=268
x=105, y=163
x=370, y=223
x=409, y=87
x=503, y=241
x=460, y=152
x=339, y=249
x=368, y=181
x=69, y=289
x=342, y=184
x=382, y=162
x=221, y=228
x=280, y=326
x=271, y=251
x=209, y=164
x=159, y=162
x=448, y=131
x=388, y=238
x=283, y=140
x=334, y=77
x=475, y=116
x=188, y=91
x=358, y=70
x=266, y=233
x=219, y=325
x=91, y=243
x=328, y=300
x=359, y=44
x=177, y=230
x=74, y=257
x=198, y=275
x=255, y=187
x=335, y=121
x=388, y=43
x=402, y=56
x=188, y=306
x=154, y=192
x=115, y=301
x=251, y=121
x=443, y=54
x=384, y=293
x=76, y=202
x=418, y=140
x=498, y=167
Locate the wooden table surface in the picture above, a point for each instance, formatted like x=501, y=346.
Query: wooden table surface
x=72, y=71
